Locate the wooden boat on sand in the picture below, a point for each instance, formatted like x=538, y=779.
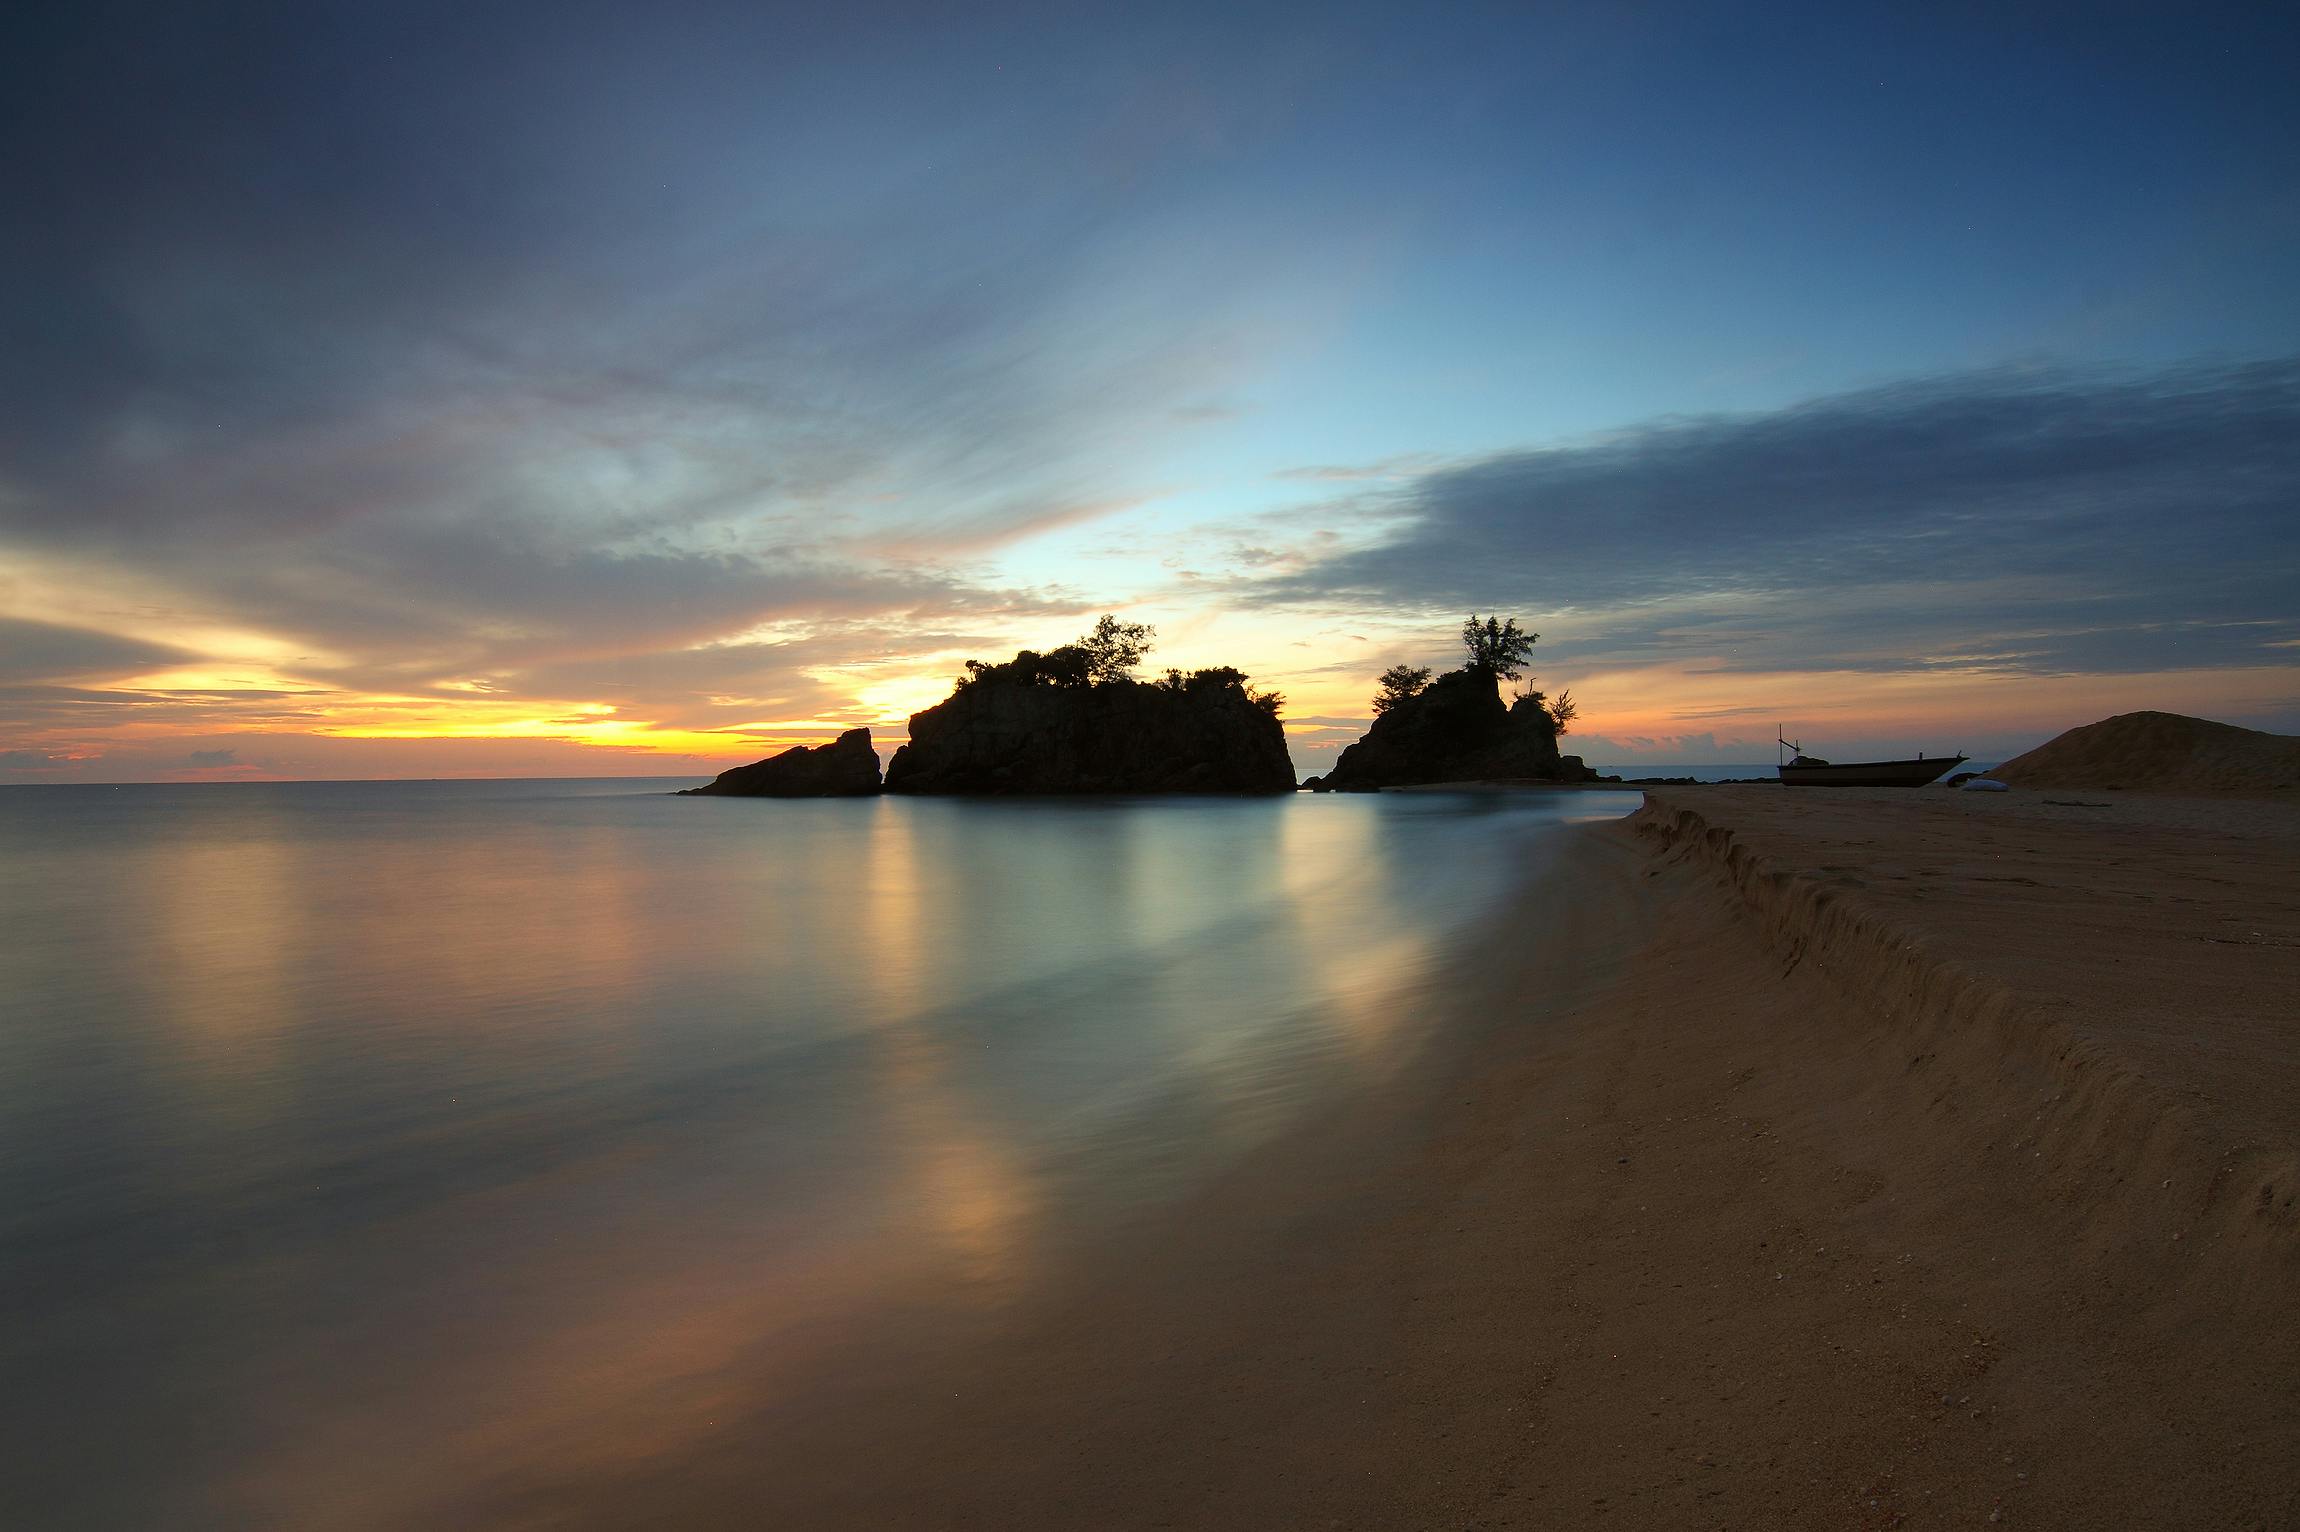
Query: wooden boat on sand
x=1811, y=771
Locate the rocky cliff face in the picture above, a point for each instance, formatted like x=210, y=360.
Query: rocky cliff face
x=1456, y=731
x=845, y=768
x=995, y=736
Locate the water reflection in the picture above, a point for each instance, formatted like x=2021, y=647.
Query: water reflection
x=965, y=1183
x=367, y=1149
x=223, y=920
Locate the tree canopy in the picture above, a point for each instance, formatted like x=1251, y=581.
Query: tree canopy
x=1497, y=646
x=1399, y=683
x=1114, y=648
x=1221, y=678
x=1106, y=656
x=1109, y=652
x=1562, y=709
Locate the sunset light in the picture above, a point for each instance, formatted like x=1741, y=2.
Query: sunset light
x=1088, y=767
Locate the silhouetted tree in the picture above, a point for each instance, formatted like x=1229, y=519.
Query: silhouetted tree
x=1069, y=665
x=1114, y=648
x=1217, y=678
x=1498, y=647
x=1106, y=654
x=1105, y=657
x=1399, y=683
x=1559, y=712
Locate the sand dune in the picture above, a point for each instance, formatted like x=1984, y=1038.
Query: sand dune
x=2160, y=752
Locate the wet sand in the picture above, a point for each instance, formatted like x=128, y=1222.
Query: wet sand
x=1844, y=1161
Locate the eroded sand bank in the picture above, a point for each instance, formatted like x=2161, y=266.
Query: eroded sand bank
x=1766, y=1192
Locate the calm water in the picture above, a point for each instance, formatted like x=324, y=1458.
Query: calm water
x=358, y=1140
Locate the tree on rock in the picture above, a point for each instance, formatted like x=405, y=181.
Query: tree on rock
x=1498, y=647
x=1561, y=709
x=1102, y=657
x=1114, y=648
x=1073, y=720
x=1400, y=683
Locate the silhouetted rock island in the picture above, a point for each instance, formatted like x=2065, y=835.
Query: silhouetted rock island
x=1456, y=731
x=1456, y=728
x=1074, y=722
x=845, y=768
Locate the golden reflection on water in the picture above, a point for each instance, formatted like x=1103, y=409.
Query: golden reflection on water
x=968, y=1186
x=1362, y=957
x=633, y=1344
x=223, y=917
x=752, y=1101
x=581, y=931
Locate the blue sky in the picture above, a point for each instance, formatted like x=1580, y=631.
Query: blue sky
x=599, y=387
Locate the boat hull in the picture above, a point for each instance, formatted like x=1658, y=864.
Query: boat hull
x=1870, y=773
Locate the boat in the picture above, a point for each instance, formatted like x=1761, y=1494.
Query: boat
x=1811, y=771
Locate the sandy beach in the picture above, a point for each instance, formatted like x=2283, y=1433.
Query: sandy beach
x=1815, y=1160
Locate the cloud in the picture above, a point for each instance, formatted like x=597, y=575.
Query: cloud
x=1697, y=749
x=32, y=652
x=86, y=712
x=2015, y=521
x=425, y=363
x=210, y=758
x=1407, y=466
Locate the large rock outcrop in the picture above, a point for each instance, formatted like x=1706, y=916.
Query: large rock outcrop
x=2160, y=752
x=845, y=768
x=1000, y=735
x=1456, y=730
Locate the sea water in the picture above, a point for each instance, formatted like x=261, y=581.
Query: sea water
x=362, y=1136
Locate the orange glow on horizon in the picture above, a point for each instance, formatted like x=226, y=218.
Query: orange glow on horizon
x=252, y=687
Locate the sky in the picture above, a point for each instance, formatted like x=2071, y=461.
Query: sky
x=584, y=389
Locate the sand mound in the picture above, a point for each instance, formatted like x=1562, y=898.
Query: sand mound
x=2160, y=752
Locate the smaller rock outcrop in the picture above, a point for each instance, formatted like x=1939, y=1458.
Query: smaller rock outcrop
x=1456, y=730
x=845, y=768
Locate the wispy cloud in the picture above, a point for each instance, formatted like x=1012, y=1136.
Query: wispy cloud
x=1409, y=466
x=483, y=402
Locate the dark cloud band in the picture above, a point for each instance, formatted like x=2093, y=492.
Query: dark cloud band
x=2006, y=520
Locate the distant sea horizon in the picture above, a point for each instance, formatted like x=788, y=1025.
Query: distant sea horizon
x=1729, y=771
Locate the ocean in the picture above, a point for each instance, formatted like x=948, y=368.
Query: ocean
x=358, y=1140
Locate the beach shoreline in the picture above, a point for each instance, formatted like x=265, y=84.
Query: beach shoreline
x=1749, y=1198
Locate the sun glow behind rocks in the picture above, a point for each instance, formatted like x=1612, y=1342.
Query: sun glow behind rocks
x=569, y=423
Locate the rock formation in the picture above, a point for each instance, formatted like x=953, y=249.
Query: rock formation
x=1033, y=727
x=1456, y=730
x=845, y=768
